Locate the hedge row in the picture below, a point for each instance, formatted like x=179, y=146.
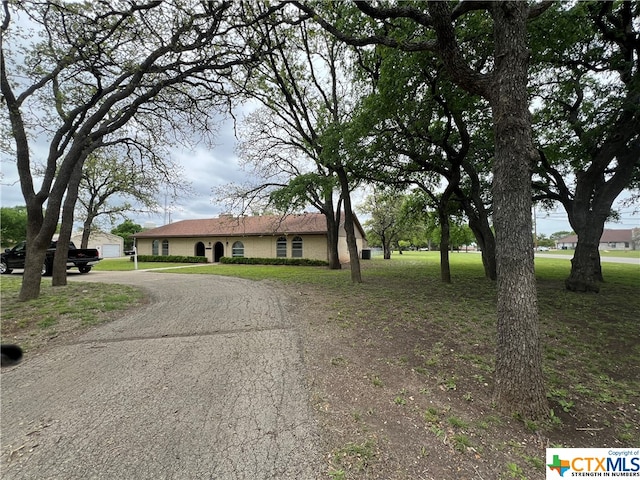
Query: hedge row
x=170, y=259
x=305, y=262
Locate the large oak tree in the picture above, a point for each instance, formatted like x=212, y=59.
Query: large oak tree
x=294, y=140
x=588, y=125
x=502, y=81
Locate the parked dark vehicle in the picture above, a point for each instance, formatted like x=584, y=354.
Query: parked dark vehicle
x=81, y=258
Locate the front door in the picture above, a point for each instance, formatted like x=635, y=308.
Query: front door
x=218, y=251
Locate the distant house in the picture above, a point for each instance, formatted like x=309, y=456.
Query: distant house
x=267, y=236
x=627, y=239
x=109, y=245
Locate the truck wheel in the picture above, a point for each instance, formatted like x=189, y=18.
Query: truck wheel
x=47, y=269
x=84, y=269
x=4, y=268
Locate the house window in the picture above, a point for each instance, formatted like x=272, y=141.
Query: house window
x=155, y=246
x=237, y=249
x=165, y=247
x=296, y=247
x=281, y=247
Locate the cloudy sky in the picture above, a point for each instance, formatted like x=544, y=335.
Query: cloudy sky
x=206, y=168
x=203, y=169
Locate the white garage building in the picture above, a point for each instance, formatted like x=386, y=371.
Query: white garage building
x=109, y=245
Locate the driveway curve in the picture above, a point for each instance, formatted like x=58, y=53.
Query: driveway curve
x=207, y=381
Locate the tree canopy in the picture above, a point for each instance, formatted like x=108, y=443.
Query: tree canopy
x=136, y=74
x=13, y=225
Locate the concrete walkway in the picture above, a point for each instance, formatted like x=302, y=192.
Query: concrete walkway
x=205, y=382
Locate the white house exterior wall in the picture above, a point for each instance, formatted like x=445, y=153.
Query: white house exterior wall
x=343, y=249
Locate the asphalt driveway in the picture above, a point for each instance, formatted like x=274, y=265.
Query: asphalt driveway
x=205, y=382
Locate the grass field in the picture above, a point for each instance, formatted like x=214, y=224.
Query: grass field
x=603, y=253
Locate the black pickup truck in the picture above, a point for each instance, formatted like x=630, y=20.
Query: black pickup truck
x=82, y=258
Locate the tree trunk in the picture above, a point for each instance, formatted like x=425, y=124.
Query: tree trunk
x=333, y=229
x=32, y=276
x=588, y=211
x=59, y=278
x=445, y=267
x=86, y=232
x=386, y=247
x=354, y=258
x=487, y=245
x=519, y=381
x=333, y=226
x=478, y=216
x=39, y=234
x=586, y=270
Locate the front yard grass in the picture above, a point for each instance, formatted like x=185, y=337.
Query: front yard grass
x=59, y=310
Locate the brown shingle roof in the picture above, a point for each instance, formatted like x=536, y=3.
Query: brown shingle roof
x=228, y=226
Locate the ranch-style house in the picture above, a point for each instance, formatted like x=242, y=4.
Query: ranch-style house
x=265, y=236
x=625, y=239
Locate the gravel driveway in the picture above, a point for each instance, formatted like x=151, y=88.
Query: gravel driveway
x=205, y=382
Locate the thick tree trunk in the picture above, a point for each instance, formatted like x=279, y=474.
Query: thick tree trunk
x=487, y=245
x=586, y=270
x=519, y=382
x=39, y=234
x=333, y=227
x=588, y=211
x=32, y=276
x=386, y=246
x=478, y=216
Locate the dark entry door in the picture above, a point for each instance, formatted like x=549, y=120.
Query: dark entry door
x=218, y=251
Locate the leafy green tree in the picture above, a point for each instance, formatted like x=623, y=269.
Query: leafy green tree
x=294, y=141
x=386, y=218
x=561, y=234
x=126, y=230
x=587, y=74
x=543, y=241
x=13, y=224
x=110, y=178
x=502, y=80
x=418, y=128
